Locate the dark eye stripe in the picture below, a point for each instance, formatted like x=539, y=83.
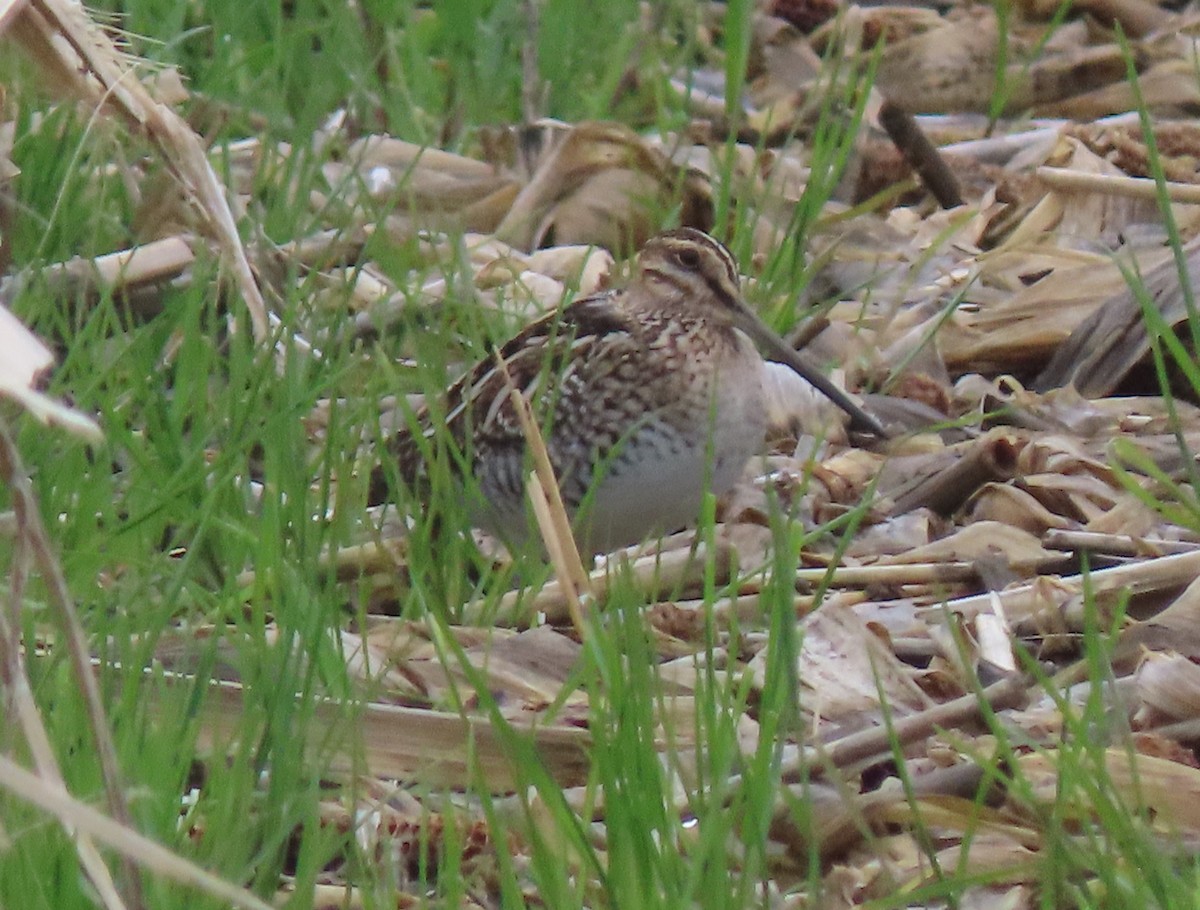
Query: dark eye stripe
x=721, y=290
x=692, y=237
x=720, y=277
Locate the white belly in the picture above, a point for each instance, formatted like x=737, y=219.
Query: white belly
x=657, y=482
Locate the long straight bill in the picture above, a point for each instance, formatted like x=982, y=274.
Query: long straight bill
x=776, y=349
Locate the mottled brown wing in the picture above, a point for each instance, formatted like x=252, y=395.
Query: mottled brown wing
x=477, y=410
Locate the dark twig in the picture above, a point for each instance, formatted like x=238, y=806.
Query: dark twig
x=919, y=152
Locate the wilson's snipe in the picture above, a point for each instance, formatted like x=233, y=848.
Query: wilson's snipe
x=645, y=393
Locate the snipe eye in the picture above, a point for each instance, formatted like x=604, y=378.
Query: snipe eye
x=688, y=259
